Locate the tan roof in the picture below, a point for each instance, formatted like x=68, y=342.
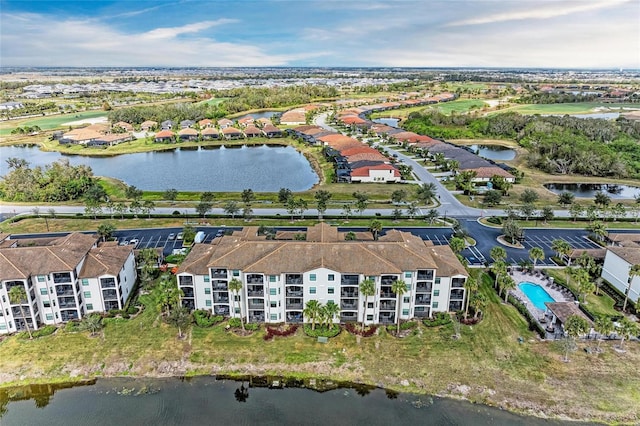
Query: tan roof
x=188, y=131
x=629, y=254
x=230, y=131
x=80, y=135
x=62, y=254
x=148, y=123
x=210, y=131
x=105, y=260
x=620, y=236
x=595, y=253
x=252, y=130
x=488, y=172
x=563, y=310
x=324, y=247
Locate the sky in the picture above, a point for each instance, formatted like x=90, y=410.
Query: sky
x=311, y=33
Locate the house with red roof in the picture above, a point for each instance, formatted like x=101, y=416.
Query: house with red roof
x=252, y=132
x=232, y=133
x=366, y=171
x=224, y=123
x=210, y=133
x=204, y=123
x=165, y=136
x=271, y=131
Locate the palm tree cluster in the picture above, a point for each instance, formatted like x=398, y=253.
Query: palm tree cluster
x=323, y=315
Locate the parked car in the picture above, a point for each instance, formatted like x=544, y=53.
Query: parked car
x=180, y=235
x=171, y=236
x=134, y=242
x=219, y=233
x=124, y=242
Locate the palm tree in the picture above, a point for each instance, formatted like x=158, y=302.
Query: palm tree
x=498, y=253
x=626, y=330
x=634, y=271
x=331, y=309
x=478, y=303
x=92, y=323
x=367, y=289
x=399, y=287
x=235, y=286
x=105, y=231
x=535, y=254
x=499, y=268
x=375, y=228
x=312, y=310
x=168, y=295
x=604, y=327
x=18, y=296
x=560, y=247
x=471, y=285
x=507, y=283
x=426, y=192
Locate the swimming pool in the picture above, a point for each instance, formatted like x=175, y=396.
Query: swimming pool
x=536, y=294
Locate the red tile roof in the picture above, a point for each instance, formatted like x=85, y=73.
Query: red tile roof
x=364, y=171
x=164, y=134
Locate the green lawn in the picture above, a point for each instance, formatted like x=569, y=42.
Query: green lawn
x=458, y=106
x=568, y=108
x=49, y=122
x=598, y=305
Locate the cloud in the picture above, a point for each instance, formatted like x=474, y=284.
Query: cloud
x=541, y=10
x=186, y=29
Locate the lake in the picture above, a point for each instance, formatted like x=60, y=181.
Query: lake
x=588, y=190
x=207, y=401
x=260, y=168
x=393, y=122
x=494, y=152
x=257, y=115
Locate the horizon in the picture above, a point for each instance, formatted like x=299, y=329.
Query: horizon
x=463, y=34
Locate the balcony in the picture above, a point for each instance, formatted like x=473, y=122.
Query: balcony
x=387, y=294
x=426, y=275
x=455, y=305
x=255, y=291
x=109, y=295
x=294, y=304
x=457, y=282
x=189, y=304
x=423, y=300
x=221, y=310
x=387, y=317
x=388, y=279
x=221, y=297
x=107, y=283
x=69, y=315
x=67, y=305
x=349, y=280
x=257, y=316
x=349, y=305
x=422, y=287
x=218, y=273
x=293, y=279
x=348, y=316
x=388, y=305
x=65, y=290
x=457, y=294
x=185, y=280
x=254, y=279
x=61, y=277
x=219, y=285
x=294, y=317
x=294, y=291
x=188, y=292
x=258, y=304
x=349, y=292
x=15, y=310
x=421, y=312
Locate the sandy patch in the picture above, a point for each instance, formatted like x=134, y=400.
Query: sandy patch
x=94, y=120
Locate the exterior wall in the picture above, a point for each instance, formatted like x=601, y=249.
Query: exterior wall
x=377, y=176
x=11, y=314
x=616, y=271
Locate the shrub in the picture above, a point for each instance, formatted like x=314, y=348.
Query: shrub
x=405, y=325
x=204, y=318
x=321, y=331
x=132, y=310
x=495, y=220
x=354, y=328
x=287, y=330
x=235, y=322
x=44, y=331
x=439, y=318
x=252, y=326
x=72, y=326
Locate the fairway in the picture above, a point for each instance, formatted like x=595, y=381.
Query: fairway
x=49, y=122
x=576, y=108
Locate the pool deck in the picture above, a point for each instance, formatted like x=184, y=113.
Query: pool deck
x=556, y=292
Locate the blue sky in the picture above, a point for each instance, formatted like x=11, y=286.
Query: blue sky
x=419, y=33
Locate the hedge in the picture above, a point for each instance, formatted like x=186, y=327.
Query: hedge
x=321, y=331
x=439, y=318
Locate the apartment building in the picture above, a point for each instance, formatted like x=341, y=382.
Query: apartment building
x=280, y=276
x=64, y=279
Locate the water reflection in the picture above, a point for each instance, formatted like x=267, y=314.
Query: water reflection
x=589, y=190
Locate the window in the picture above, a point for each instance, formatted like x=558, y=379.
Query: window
x=438, y=280
x=273, y=291
x=236, y=310
x=331, y=290
x=3, y=327
x=434, y=305
x=370, y=317
x=236, y=273
x=436, y=292
x=273, y=317
x=207, y=302
x=312, y=290
x=407, y=274
x=206, y=278
x=89, y=307
x=408, y=287
x=236, y=298
x=46, y=303
x=207, y=290
x=49, y=317
x=370, y=305
x=273, y=304
x=272, y=278
x=312, y=277
x=43, y=291
x=405, y=299
x=87, y=295
x=41, y=278
x=405, y=312
x=85, y=282
x=331, y=277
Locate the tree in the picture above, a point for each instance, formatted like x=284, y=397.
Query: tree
x=346, y=211
x=492, y=197
x=626, y=330
x=561, y=247
x=506, y=283
x=412, y=209
x=331, y=309
x=546, y=214
x=134, y=207
x=188, y=233
x=527, y=210
x=529, y=196
x=322, y=197
x=619, y=211
x=235, y=286
x=168, y=296
x=92, y=323
x=207, y=196
x=147, y=207
x=204, y=207
x=575, y=210
x=512, y=231
x=431, y=216
x=601, y=199
x=465, y=181
x=248, y=196
x=574, y=327
x=536, y=254
x=133, y=193
x=120, y=208
x=367, y=289
x=457, y=244
x=399, y=287
x=18, y=296
x=180, y=318
x=498, y=253
x=565, y=198
x=105, y=231
x=634, y=271
x=247, y=212
x=147, y=260
x=284, y=195
x=301, y=206
x=375, y=227
x=604, y=327
x=502, y=184
x=362, y=200
x=170, y=194
x=471, y=285
x=584, y=283
x=426, y=192
x=231, y=207
x=92, y=208
x=398, y=196
x=598, y=229
x=478, y=303
x=312, y=311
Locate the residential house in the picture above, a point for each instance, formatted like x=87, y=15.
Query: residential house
x=123, y=125
x=246, y=121
x=232, y=133
x=223, y=123
x=148, y=125
x=165, y=136
x=167, y=125
x=252, y=131
x=271, y=131
x=188, y=134
x=374, y=171
x=280, y=276
x=81, y=136
x=294, y=117
x=210, y=133
x=205, y=123
x=186, y=124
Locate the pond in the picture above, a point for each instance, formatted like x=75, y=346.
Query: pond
x=588, y=190
x=494, y=152
x=206, y=401
x=260, y=168
x=257, y=115
x=393, y=122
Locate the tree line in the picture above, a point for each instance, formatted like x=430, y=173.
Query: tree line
x=556, y=144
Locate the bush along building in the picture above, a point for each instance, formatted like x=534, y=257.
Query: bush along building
x=63, y=278
x=279, y=276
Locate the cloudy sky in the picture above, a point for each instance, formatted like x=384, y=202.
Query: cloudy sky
x=417, y=33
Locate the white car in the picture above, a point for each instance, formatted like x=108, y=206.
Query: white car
x=134, y=242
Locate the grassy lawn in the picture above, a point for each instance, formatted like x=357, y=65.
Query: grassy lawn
x=598, y=305
x=48, y=122
x=568, y=108
x=566, y=223
x=487, y=364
